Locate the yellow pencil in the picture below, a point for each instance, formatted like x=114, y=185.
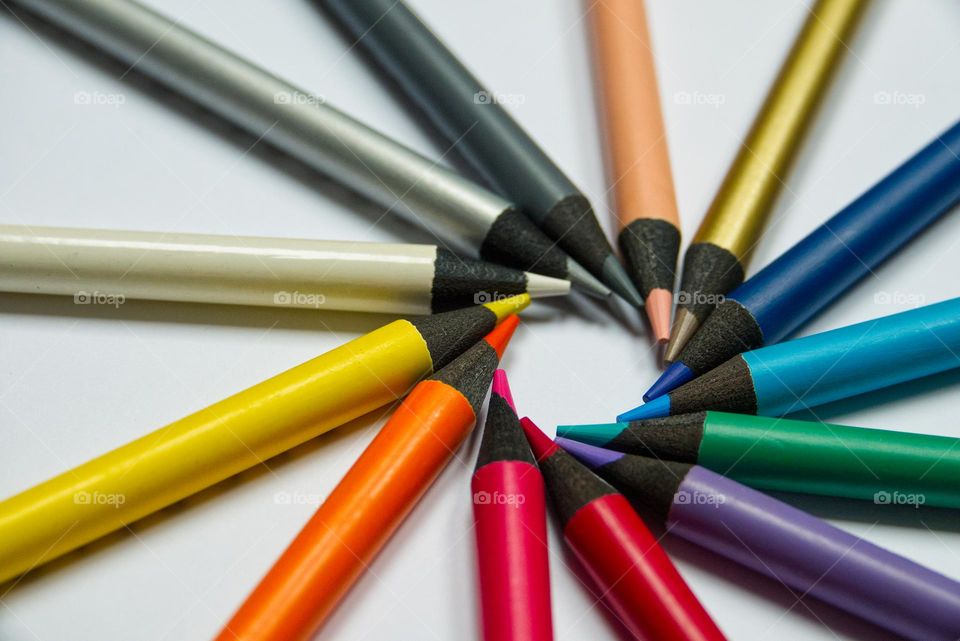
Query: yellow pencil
x=717, y=258
x=191, y=454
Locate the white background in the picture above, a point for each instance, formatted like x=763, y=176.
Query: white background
x=76, y=381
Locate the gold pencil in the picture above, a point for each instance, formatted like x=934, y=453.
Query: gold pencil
x=717, y=258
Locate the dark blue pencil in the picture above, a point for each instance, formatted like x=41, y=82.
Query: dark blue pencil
x=829, y=261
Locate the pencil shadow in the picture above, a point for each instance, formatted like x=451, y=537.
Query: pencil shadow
x=88, y=553
x=918, y=388
x=739, y=577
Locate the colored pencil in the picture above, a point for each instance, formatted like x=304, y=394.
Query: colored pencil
x=807, y=372
x=510, y=519
x=113, y=490
x=472, y=121
x=797, y=549
x=806, y=278
x=639, y=165
x=717, y=259
x=306, y=127
x=243, y=270
x=884, y=466
x=631, y=572
x=371, y=501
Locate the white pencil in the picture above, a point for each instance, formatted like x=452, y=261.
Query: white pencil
x=108, y=266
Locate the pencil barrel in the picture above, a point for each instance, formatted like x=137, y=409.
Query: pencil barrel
x=357, y=518
x=239, y=432
x=275, y=111
x=885, y=218
x=509, y=511
x=461, y=109
x=810, y=371
x=813, y=557
x=883, y=466
x=742, y=205
x=221, y=269
x=640, y=173
x=634, y=574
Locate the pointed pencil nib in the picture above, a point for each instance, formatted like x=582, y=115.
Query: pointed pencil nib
x=659, y=302
x=685, y=325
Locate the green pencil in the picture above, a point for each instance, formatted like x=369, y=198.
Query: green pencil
x=883, y=466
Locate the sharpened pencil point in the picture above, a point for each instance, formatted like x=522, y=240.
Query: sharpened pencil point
x=657, y=408
x=675, y=375
x=501, y=334
x=540, y=286
x=685, y=325
x=540, y=443
x=585, y=281
x=598, y=434
x=506, y=306
x=658, y=305
x=616, y=277
x=590, y=455
x=501, y=387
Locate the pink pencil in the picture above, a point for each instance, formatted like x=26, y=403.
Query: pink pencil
x=511, y=524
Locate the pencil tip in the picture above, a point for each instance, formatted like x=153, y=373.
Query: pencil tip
x=585, y=281
x=540, y=443
x=616, y=277
x=657, y=408
x=675, y=375
x=598, y=434
x=590, y=455
x=499, y=337
x=685, y=325
x=501, y=387
x=503, y=307
x=540, y=286
x=658, y=305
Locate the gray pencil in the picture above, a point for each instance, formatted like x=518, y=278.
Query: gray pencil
x=328, y=140
x=472, y=120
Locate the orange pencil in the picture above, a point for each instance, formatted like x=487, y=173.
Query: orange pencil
x=349, y=529
x=645, y=202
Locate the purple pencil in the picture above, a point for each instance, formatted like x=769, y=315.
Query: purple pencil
x=775, y=539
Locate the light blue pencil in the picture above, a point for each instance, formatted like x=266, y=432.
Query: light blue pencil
x=810, y=371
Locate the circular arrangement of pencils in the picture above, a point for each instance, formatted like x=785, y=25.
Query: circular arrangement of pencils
x=720, y=483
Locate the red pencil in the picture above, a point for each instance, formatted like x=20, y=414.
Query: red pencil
x=631, y=571
x=511, y=524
